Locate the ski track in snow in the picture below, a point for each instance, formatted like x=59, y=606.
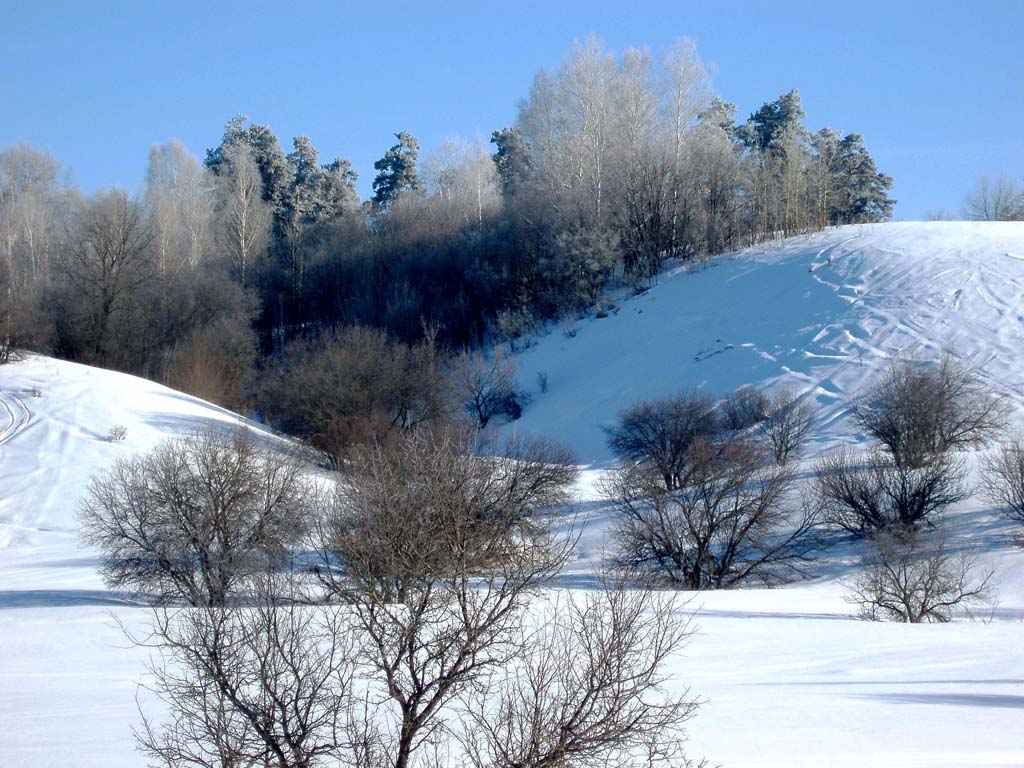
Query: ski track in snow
x=823, y=312
x=15, y=415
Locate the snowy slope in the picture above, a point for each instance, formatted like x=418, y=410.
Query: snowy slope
x=788, y=676
x=822, y=312
x=55, y=423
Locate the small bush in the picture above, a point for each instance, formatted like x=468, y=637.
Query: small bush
x=659, y=433
x=917, y=410
x=569, y=326
x=542, y=381
x=487, y=387
x=913, y=578
x=880, y=495
x=117, y=434
x=744, y=408
x=1003, y=478
x=790, y=421
x=727, y=520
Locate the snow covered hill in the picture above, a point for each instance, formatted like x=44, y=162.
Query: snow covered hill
x=822, y=311
x=56, y=420
x=789, y=677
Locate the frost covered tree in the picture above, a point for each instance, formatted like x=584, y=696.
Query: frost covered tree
x=179, y=196
x=462, y=181
x=512, y=158
x=243, y=216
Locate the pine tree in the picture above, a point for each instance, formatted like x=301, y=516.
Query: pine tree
x=339, y=186
x=864, y=190
x=396, y=171
x=512, y=158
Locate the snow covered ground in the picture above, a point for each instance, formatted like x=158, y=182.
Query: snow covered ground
x=789, y=677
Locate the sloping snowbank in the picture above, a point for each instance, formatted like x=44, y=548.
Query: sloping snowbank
x=823, y=312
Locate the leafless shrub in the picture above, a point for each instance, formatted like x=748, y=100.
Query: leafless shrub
x=517, y=326
x=790, y=421
x=432, y=506
x=659, y=433
x=433, y=555
x=195, y=516
x=917, y=410
x=439, y=551
x=487, y=386
x=725, y=520
x=589, y=689
x=879, y=495
x=1003, y=478
x=117, y=433
x=744, y=408
x=215, y=362
x=911, y=577
x=570, y=327
x=542, y=381
x=268, y=683
x=353, y=386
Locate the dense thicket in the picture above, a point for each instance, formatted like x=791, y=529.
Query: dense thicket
x=615, y=164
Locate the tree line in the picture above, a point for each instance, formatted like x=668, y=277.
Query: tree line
x=615, y=164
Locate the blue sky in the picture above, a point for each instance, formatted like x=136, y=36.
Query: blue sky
x=936, y=88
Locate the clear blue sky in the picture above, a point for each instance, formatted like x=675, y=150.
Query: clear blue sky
x=936, y=88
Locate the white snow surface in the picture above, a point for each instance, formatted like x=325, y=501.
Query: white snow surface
x=789, y=676
x=822, y=312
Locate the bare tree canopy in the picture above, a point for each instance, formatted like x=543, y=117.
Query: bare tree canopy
x=194, y=517
x=1003, y=478
x=728, y=517
x=917, y=410
x=876, y=494
x=659, y=433
x=913, y=577
x=998, y=199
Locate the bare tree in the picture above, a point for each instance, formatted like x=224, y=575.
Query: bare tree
x=463, y=181
x=911, y=577
x=33, y=201
x=788, y=424
x=918, y=410
x=659, y=433
x=878, y=494
x=724, y=520
x=179, y=196
x=243, y=217
x=433, y=556
x=999, y=199
x=191, y=519
x=744, y=408
x=1003, y=478
x=589, y=690
x=107, y=261
x=351, y=386
x=486, y=386
x=437, y=551
x=268, y=683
